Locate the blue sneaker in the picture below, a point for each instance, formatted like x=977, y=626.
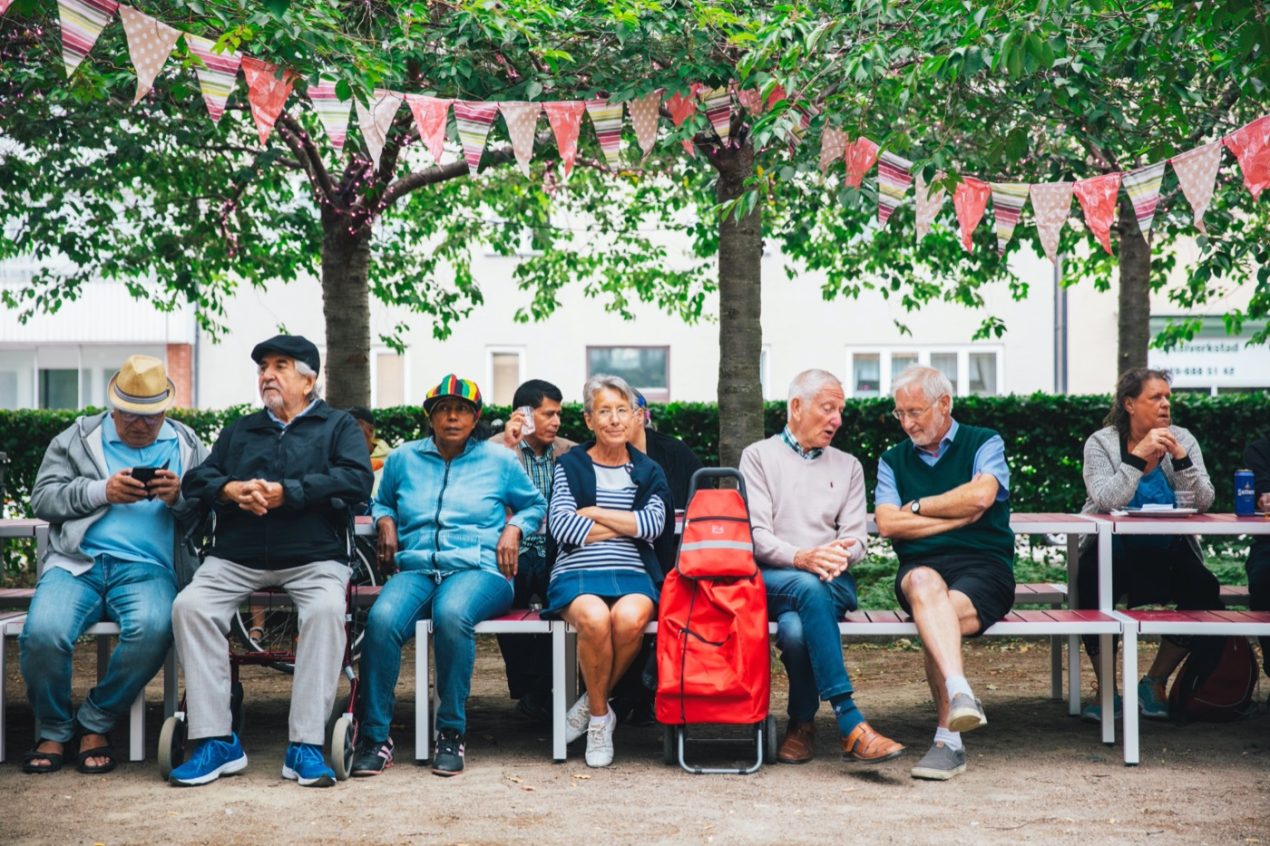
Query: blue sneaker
x=1153, y=702
x=212, y=759
x=304, y=763
x=1092, y=712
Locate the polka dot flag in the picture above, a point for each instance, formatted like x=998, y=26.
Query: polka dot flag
x=149, y=44
x=521, y=118
x=969, y=201
x=1098, y=198
x=82, y=21
x=1197, y=173
x=565, y=118
x=1251, y=146
x=644, y=115
x=217, y=73
x=1051, y=203
x=267, y=93
x=833, y=147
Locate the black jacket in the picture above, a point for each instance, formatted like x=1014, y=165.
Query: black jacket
x=319, y=458
x=678, y=462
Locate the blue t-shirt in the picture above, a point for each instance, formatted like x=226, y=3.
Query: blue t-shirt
x=989, y=459
x=1153, y=489
x=140, y=531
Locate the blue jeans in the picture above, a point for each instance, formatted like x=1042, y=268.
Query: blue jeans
x=138, y=597
x=455, y=605
x=807, y=611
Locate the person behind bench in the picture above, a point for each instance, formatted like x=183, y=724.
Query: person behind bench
x=943, y=500
x=807, y=510
x=1257, y=459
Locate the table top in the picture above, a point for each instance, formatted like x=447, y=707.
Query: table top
x=1196, y=524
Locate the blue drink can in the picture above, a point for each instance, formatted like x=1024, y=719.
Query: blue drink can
x=1245, y=494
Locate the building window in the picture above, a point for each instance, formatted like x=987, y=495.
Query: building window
x=505, y=368
x=59, y=388
x=866, y=378
x=646, y=369
x=983, y=374
x=901, y=362
x=972, y=370
x=946, y=363
x=390, y=380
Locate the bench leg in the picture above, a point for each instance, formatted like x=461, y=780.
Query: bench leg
x=559, y=691
x=1073, y=675
x=137, y=728
x=1107, y=668
x=1130, y=639
x=423, y=695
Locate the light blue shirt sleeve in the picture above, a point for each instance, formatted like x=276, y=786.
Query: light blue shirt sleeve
x=990, y=459
x=886, y=493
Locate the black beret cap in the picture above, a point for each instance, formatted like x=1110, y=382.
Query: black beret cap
x=297, y=347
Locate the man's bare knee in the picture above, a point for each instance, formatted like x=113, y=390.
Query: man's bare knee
x=922, y=584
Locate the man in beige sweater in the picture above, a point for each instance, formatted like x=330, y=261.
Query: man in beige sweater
x=807, y=508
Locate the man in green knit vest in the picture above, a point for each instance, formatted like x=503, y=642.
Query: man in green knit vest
x=943, y=500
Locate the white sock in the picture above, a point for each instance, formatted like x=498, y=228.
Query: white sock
x=599, y=721
x=958, y=684
x=951, y=739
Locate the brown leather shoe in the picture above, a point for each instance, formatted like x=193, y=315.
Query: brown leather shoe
x=799, y=745
x=868, y=747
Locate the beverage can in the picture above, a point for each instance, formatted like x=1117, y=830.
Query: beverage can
x=527, y=413
x=1245, y=494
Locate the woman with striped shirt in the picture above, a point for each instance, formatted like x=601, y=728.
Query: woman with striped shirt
x=609, y=503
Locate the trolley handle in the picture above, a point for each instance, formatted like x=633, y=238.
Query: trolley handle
x=717, y=473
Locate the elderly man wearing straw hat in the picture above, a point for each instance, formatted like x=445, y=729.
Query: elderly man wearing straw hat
x=110, y=486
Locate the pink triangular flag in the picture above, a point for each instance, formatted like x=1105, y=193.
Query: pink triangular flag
x=929, y=201
x=1251, y=146
x=606, y=118
x=861, y=155
x=1051, y=203
x=895, y=174
x=430, y=116
x=969, y=201
x=4, y=6
x=1008, y=200
x=474, y=120
x=719, y=111
x=376, y=119
x=217, y=73
x=751, y=99
x=1197, y=172
x=331, y=111
x=267, y=93
x=149, y=44
x=565, y=117
x=1098, y=198
x=521, y=118
x=82, y=21
x=833, y=147
x=681, y=107
x=644, y=113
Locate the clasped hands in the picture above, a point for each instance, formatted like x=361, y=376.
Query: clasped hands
x=1156, y=443
x=255, y=495
x=827, y=562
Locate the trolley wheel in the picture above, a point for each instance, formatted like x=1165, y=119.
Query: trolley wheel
x=769, y=740
x=669, y=746
x=171, y=745
x=340, y=749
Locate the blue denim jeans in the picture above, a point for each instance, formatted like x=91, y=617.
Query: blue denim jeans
x=138, y=597
x=455, y=605
x=807, y=611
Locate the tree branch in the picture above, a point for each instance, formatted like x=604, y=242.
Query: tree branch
x=310, y=159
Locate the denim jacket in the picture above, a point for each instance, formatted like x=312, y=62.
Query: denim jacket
x=449, y=514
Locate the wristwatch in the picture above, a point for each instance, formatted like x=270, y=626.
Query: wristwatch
x=916, y=507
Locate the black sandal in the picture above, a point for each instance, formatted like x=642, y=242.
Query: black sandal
x=106, y=750
x=55, y=759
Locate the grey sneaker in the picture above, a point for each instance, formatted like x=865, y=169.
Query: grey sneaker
x=578, y=719
x=966, y=714
x=940, y=763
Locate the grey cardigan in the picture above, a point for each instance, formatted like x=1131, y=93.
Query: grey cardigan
x=1110, y=483
x=70, y=492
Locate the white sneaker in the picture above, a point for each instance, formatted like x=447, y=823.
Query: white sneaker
x=578, y=719
x=599, y=743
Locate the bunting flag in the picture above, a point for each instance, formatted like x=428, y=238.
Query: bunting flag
x=430, y=115
x=1251, y=146
x=1008, y=199
x=751, y=99
x=644, y=118
x=606, y=118
x=929, y=202
x=1143, y=187
x=719, y=112
x=376, y=119
x=474, y=120
x=521, y=118
x=833, y=147
x=267, y=93
x=1051, y=203
x=1098, y=198
x=331, y=111
x=894, y=177
x=565, y=117
x=1197, y=172
x=4, y=6
x=861, y=155
x=682, y=107
x=969, y=201
x=217, y=73
x=82, y=21
x=149, y=44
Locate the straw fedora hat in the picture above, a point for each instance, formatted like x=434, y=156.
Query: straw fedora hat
x=141, y=386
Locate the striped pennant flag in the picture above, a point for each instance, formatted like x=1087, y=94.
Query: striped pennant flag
x=1008, y=200
x=833, y=147
x=149, y=45
x=82, y=22
x=1051, y=203
x=331, y=111
x=1143, y=187
x=606, y=117
x=217, y=73
x=521, y=118
x=1098, y=199
x=430, y=116
x=929, y=202
x=681, y=107
x=719, y=111
x=1197, y=172
x=1251, y=146
x=861, y=156
x=565, y=117
x=267, y=93
x=895, y=174
x=644, y=115
x=474, y=120
x=969, y=201
x=376, y=119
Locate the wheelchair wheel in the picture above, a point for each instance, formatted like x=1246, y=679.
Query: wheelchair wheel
x=363, y=573
x=340, y=746
x=269, y=629
x=769, y=740
x=171, y=744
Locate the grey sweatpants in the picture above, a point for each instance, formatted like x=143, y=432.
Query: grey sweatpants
x=201, y=618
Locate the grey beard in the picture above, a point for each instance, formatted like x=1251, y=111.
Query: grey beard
x=273, y=401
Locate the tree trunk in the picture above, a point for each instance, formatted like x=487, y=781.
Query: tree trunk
x=1135, y=292
x=740, y=309
x=346, y=308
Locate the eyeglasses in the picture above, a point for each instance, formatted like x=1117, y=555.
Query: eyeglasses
x=128, y=417
x=610, y=413
x=911, y=415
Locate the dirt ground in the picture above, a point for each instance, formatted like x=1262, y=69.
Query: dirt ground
x=1035, y=775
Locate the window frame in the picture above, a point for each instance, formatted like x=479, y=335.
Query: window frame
x=650, y=394
x=923, y=353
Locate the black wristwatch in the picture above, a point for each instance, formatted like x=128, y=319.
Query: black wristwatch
x=916, y=507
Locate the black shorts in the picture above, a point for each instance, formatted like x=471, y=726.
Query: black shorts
x=985, y=580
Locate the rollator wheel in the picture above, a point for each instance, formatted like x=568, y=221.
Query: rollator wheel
x=171, y=745
x=769, y=740
x=340, y=748
x=669, y=748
